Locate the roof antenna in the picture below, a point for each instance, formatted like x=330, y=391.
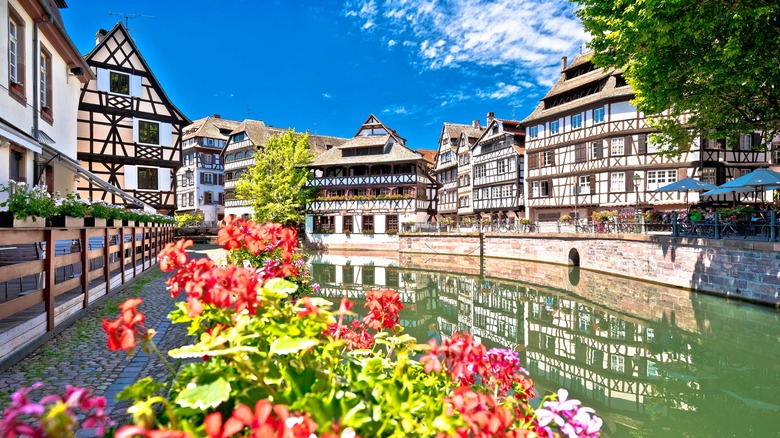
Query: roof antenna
x=128, y=16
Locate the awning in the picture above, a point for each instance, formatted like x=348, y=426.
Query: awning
x=72, y=165
x=14, y=135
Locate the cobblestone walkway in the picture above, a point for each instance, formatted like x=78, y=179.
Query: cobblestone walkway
x=80, y=356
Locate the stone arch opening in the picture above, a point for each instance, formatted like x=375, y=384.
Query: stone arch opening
x=574, y=257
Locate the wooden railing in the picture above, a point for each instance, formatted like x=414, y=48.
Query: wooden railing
x=51, y=276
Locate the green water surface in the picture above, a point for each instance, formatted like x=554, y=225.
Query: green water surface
x=652, y=360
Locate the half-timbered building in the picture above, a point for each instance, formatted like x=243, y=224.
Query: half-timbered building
x=447, y=166
x=129, y=132
x=588, y=149
x=247, y=139
x=199, y=182
x=497, y=170
x=368, y=187
x=467, y=140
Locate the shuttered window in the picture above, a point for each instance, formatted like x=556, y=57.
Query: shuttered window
x=580, y=153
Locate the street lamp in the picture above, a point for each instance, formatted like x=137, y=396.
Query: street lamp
x=637, y=182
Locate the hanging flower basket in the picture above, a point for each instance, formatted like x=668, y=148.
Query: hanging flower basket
x=9, y=220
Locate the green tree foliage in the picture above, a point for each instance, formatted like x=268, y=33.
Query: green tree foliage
x=275, y=185
x=709, y=67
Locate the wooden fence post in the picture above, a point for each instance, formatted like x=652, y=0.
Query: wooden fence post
x=85, y=266
x=133, y=248
x=122, y=251
x=48, y=288
x=107, y=259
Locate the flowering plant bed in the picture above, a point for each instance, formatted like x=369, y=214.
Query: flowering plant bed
x=267, y=364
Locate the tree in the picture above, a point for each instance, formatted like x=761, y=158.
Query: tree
x=275, y=185
x=708, y=67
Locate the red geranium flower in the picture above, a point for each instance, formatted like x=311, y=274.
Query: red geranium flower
x=383, y=306
x=174, y=255
x=123, y=330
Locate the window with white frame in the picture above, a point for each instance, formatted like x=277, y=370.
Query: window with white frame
x=501, y=164
x=151, y=132
x=540, y=189
x=708, y=175
x=598, y=115
x=576, y=121
x=45, y=81
x=555, y=127
x=548, y=158
x=617, y=182
x=506, y=191
x=745, y=142
x=584, y=184
x=533, y=132
x=618, y=363
x=651, y=146
x=15, y=50
x=208, y=178
x=479, y=171
x=596, y=150
x=148, y=178
x=119, y=83
x=617, y=146
x=660, y=178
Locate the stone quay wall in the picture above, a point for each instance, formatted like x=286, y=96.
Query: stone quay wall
x=746, y=270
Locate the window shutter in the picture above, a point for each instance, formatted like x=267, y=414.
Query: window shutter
x=164, y=179
x=103, y=78
x=592, y=181
x=203, y=178
x=756, y=139
x=222, y=198
x=135, y=130
x=220, y=181
x=135, y=85
x=641, y=145
x=533, y=159
x=628, y=147
x=682, y=173
x=552, y=157
x=629, y=181
x=166, y=134
x=131, y=177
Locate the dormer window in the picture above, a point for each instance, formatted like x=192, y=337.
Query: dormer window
x=119, y=83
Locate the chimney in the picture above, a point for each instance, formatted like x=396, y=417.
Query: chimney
x=217, y=116
x=475, y=124
x=563, y=64
x=100, y=35
x=490, y=116
x=308, y=132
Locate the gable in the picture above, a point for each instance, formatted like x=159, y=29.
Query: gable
x=118, y=51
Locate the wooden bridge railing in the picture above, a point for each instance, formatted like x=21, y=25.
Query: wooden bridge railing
x=49, y=277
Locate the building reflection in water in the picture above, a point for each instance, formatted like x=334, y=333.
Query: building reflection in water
x=651, y=360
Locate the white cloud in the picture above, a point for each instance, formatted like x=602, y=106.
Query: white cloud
x=369, y=24
x=527, y=37
x=391, y=43
x=396, y=109
x=326, y=96
x=504, y=90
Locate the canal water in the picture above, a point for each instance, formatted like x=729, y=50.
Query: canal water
x=652, y=360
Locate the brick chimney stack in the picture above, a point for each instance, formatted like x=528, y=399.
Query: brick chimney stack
x=217, y=116
x=563, y=64
x=490, y=116
x=475, y=124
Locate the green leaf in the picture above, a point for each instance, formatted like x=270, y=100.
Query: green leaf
x=277, y=288
x=288, y=345
x=140, y=390
x=205, y=396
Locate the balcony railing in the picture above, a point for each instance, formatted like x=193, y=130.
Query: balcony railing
x=372, y=205
x=239, y=164
x=370, y=180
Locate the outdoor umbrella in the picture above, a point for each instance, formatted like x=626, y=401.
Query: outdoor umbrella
x=686, y=185
x=757, y=179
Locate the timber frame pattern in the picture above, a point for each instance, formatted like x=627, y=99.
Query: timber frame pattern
x=592, y=151
x=108, y=139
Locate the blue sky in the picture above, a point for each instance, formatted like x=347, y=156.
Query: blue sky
x=326, y=65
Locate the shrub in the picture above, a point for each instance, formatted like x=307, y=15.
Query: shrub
x=71, y=205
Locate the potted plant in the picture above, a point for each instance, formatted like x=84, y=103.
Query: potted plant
x=25, y=205
x=69, y=211
x=391, y=231
x=47, y=111
x=16, y=86
x=409, y=225
x=565, y=219
x=98, y=215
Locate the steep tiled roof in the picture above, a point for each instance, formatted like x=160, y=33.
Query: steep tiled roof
x=366, y=140
x=397, y=153
x=427, y=155
x=319, y=143
x=393, y=144
x=209, y=127
x=610, y=90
